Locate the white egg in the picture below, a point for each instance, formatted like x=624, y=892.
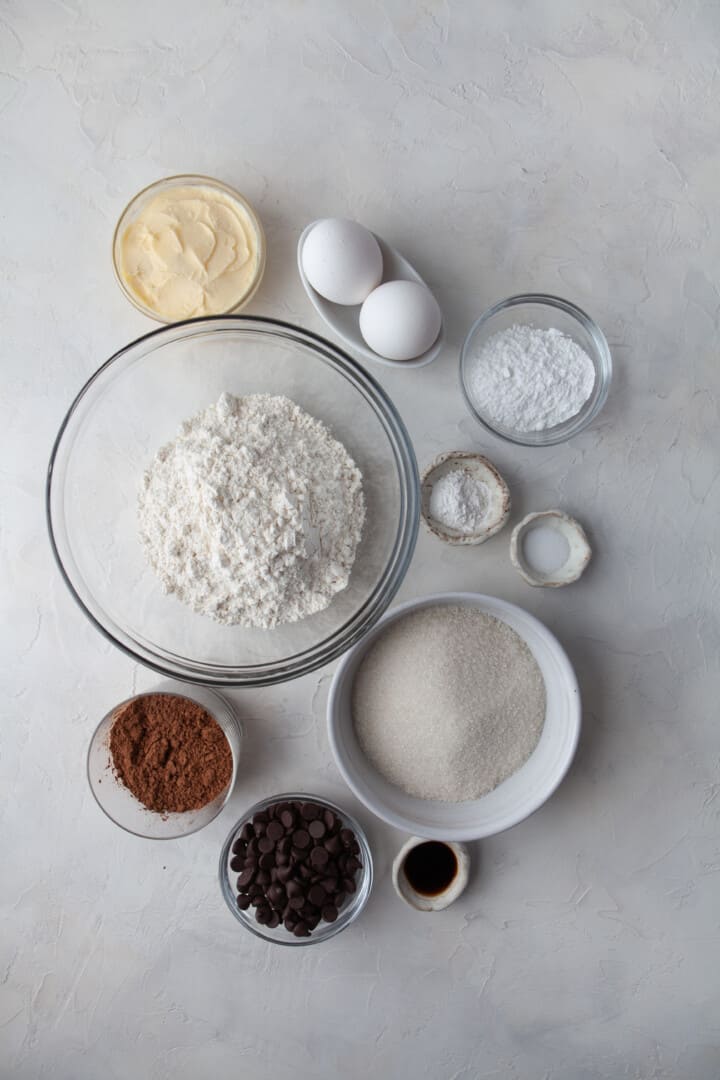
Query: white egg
x=400, y=320
x=342, y=260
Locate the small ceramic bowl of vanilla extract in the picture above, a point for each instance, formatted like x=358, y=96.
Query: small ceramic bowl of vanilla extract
x=429, y=875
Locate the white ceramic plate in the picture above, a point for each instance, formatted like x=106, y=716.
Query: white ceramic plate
x=344, y=320
x=513, y=800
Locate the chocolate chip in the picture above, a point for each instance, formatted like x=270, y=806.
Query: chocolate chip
x=247, y=832
x=284, y=873
x=261, y=818
x=293, y=888
x=287, y=818
x=300, y=839
x=330, y=820
x=273, y=921
x=275, y=831
x=265, y=844
x=352, y=865
x=259, y=828
x=310, y=811
x=289, y=923
x=333, y=845
x=243, y=902
x=340, y=899
x=316, y=829
x=262, y=877
x=296, y=902
x=349, y=885
x=301, y=929
x=267, y=860
x=319, y=857
x=306, y=872
x=237, y=863
x=246, y=877
x=317, y=895
x=346, y=837
x=277, y=896
x=239, y=847
x=329, y=913
x=329, y=884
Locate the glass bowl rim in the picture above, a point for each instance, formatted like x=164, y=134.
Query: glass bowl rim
x=602, y=362
x=318, y=655
x=339, y=925
x=199, y=180
x=235, y=760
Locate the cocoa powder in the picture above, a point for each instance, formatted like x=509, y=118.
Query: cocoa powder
x=170, y=753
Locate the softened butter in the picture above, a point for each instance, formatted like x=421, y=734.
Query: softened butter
x=190, y=251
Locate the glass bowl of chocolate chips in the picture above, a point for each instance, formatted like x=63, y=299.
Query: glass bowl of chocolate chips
x=296, y=869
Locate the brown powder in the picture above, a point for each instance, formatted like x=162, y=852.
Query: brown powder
x=170, y=753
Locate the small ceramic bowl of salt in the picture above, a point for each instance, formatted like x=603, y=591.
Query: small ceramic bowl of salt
x=464, y=498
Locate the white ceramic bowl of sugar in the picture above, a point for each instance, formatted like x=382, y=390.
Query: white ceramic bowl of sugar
x=514, y=799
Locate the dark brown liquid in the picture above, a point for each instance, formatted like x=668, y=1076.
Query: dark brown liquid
x=430, y=867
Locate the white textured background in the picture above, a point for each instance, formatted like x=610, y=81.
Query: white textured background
x=565, y=146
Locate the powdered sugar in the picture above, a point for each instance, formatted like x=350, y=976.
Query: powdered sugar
x=253, y=514
x=526, y=379
x=459, y=501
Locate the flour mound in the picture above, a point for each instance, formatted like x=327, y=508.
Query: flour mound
x=253, y=514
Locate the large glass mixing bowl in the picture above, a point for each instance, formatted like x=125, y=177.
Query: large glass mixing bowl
x=133, y=405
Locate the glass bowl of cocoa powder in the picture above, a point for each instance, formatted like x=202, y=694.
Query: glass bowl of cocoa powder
x=163, y=764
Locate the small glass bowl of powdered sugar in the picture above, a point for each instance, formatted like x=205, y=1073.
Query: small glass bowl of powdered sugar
x=535, y=370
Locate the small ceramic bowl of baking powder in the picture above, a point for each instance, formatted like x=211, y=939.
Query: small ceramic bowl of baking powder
x=549, y=549
x=463, y=498
x=543, y=313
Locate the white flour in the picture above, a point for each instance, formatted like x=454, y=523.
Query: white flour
x=526, y=379
x=459, y=501
x=253, y=514
x=448, y=703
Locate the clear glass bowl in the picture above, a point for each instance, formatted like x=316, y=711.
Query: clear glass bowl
x=544, y=313
x=121, y=806
x=140, y=201
x=279, y=935
x=133, y=405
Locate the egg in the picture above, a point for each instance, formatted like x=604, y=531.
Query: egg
x=400, y=320
x=342, y=260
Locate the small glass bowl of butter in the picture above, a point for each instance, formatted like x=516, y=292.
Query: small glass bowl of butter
x=186, y=247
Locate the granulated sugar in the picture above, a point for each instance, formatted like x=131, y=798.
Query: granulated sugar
x=448, y=703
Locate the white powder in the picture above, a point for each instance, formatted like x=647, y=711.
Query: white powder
x=526, y=379
x=448, y=703
x=459, y=501
x=253, y=514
